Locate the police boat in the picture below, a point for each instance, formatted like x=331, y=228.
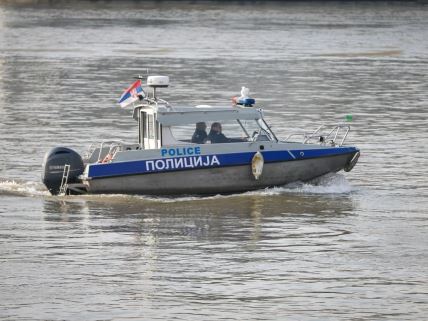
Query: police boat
x=177, y=153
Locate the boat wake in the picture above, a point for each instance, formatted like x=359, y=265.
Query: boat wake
x=22, y=188
x=328, y=184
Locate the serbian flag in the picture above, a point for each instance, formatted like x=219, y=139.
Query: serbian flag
x=131, y=94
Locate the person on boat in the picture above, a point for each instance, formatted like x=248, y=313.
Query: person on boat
x=216, y=136
x=200, y=135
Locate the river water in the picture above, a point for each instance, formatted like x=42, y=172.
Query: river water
x=346, y=247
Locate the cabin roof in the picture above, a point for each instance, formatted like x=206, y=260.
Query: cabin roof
x=187, y=115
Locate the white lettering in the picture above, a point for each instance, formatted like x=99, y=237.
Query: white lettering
x=160, y=164
x=188, y=164
x=214, y=161
x=207, y=161
x=169, y=163
x=56, y=167
x=182, y=162
x=178, y=162
x=197, y=161
x=148, y=164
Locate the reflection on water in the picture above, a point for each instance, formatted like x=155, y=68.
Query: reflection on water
x=349, y=246
x=193, y=257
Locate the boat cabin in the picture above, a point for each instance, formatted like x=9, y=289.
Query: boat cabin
x=160, y=125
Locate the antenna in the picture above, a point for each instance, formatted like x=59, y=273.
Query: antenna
x=141, y=76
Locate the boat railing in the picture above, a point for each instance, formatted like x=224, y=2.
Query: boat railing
x=299, y=136
x=333, y=135
x=91, y=149
x=109, y=149
x=112, y=147
x=97, y=152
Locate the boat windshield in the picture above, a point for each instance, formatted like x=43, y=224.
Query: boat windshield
x=234, y=131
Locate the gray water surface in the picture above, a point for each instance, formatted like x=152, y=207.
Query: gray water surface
x=346, y=247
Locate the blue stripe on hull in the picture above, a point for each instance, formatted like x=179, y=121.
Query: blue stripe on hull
x=207, y=161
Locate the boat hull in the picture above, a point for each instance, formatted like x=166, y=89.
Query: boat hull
x=219, y=180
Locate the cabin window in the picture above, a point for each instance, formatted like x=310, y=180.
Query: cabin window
x=183, y=132
x=142, y=126
x=159, y=130
x=150, y=127
x=144, y=115
x=232, y=129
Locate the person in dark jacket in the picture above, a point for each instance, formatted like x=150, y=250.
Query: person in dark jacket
x=216, y=136
x=200, y=135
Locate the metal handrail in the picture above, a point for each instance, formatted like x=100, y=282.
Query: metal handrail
x=114, y=148
x=90, y=150
x=331, y=137
x=296, y=134
x=110, y=148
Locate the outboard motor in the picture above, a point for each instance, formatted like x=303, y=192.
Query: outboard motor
x=53, y=168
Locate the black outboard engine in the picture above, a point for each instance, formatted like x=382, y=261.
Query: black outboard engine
x=53, y=167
